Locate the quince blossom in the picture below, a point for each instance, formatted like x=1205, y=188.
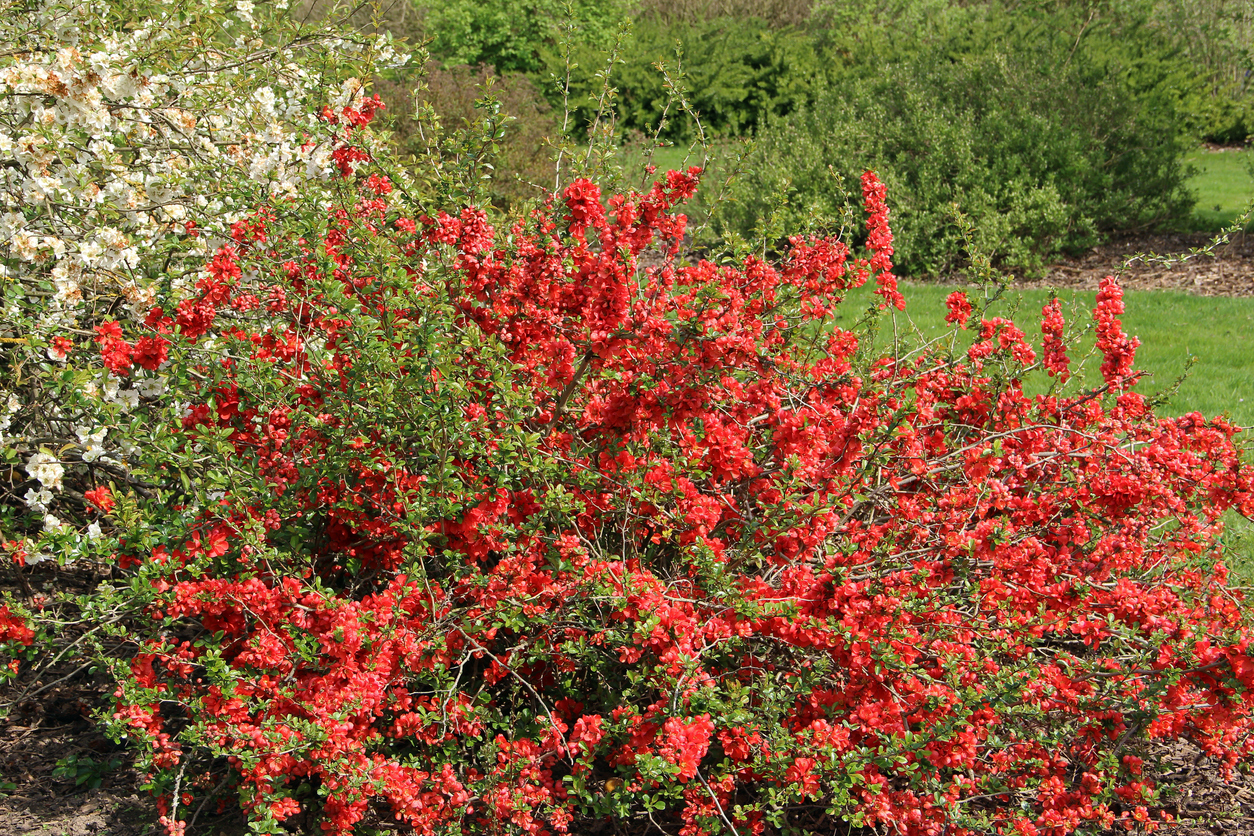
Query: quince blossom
x=46, y=468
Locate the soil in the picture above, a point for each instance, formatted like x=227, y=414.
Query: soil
x=49, y=708
x=49, y=711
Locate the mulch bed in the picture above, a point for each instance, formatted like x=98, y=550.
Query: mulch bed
x=1226, y=271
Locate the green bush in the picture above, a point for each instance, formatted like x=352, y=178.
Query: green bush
x=1043, y=152
x=438, y=117
x=735, y=71
x=1217, y=41
x=776, y=13
x=512, y=36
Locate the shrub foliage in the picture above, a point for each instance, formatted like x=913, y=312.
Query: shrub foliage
x=733, y=72
x=1039, y=154
x=472, y=136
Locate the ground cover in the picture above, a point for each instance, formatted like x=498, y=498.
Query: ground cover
x=1224, y=183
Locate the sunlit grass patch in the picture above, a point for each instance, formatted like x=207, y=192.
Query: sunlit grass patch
x=1224, y=185
x=1174, y=328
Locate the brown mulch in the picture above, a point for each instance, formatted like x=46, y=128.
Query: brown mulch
x=51, y=719
x=1154, y=262
x=50, y=723
x=1200, y=799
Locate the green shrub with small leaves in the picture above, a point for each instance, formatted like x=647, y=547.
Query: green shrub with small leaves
x=513, y=36
x=1043, y=152
x=732, y=73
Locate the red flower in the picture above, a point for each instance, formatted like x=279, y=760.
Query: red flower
x=959, y=309
x=101, y=498
x=60, y=349
x=1052, y=326
x=685, y=744
x=151, y=352
x=583, y=199
x=1117, y=348
x=586, y=734
x=378, y=184
x=801, y=774
x=880, y=241
x=114, y=350
x=13, y=627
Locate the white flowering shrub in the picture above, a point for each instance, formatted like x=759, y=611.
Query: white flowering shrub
x=132, y=136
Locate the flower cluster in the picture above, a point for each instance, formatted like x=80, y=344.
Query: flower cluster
x=1053, y=342
x=880, y=240
x=1117, y=348
x=524, y=528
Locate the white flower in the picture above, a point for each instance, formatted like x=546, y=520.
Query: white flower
x=128, y=399
x=120, y=85
x=139, y=299
x=93, y=531
x=90, y=252
x=110, y=390
x=265, y=99
x=92, y=442
x=45, y=467
x=38, y=500
x=26, y=246
x=68, y=57
x=51, y=523
x=350, y=94
x=68, y=289
x=152, y=387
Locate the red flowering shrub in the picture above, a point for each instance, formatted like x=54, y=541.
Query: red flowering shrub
x=520, y=530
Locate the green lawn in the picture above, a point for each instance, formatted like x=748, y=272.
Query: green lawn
x=634, y=157
x=1224, y=186
x=1172, y=327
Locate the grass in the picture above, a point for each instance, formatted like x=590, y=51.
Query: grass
x=1238, y=540
x=1224, y=185
x=719, y=157
x=1172, y=327
x=674, y=157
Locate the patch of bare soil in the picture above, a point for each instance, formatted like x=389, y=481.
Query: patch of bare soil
x=59, y=776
